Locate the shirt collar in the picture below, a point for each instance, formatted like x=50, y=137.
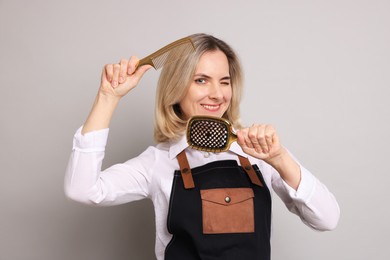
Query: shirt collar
x=181, y=144
x=177, y=146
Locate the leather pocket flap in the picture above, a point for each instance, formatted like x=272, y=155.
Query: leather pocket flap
x=227, y=196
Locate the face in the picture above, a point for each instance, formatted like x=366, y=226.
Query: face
x=210, y=91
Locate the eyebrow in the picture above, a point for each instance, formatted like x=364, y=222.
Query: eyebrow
x=208, y=77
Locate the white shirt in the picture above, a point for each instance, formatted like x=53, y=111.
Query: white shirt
x=150, y=175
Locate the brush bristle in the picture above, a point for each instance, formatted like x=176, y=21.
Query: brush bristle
x=208, y=135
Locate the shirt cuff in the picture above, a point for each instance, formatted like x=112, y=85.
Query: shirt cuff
x=94, y=141
x=305, y=189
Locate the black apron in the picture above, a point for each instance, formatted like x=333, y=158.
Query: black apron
x=219, y=211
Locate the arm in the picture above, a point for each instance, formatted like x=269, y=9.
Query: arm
x=302, y=193
x=312, y=202
x=86, y=183
x=116, y=81
x=84, y=180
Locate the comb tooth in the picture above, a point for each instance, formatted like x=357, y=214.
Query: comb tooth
x=164, y=59
x=172, y=55
x=159, y=58
x=156, y=61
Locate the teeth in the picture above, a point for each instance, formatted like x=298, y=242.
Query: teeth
x=210, y=107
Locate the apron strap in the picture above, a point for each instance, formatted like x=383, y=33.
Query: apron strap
x=250, y=171
x=186, y=173
x=185, y=170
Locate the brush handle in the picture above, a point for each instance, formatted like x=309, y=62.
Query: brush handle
x=145, y=61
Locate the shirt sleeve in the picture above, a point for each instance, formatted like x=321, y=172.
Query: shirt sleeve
x=312, y=201
x=85, y=181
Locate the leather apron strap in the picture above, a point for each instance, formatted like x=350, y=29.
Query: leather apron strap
x=188, y=181
x=185, y=170
x=250, y=171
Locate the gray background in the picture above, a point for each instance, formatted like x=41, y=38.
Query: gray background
x=317, y=70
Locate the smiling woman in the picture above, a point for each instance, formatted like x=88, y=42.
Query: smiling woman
x=207, y=206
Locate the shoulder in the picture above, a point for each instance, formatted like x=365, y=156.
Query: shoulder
x=158, y=167
x=154, y=153
x=153, y=159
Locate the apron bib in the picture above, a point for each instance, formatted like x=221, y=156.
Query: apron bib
x=219, y=211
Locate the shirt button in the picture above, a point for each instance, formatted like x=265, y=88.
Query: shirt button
x=228, y=199
x=206, y=155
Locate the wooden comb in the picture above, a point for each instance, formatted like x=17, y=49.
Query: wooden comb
x=169, y=53
x=211, y=134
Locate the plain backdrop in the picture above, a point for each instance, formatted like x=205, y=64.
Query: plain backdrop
x=317, y=70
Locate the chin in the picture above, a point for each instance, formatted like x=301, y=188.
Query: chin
x=211, y=114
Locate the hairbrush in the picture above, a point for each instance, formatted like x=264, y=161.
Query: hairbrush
x=211, y=134
x=169, y=53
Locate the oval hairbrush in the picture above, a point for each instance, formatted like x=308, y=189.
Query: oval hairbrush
x=211, y=134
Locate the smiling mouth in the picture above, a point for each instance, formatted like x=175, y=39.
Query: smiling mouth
x=211, y=107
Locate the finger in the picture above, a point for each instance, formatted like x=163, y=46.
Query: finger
x=104, y=76
x=115, y=76
x=275, y=139
x=122, y=71
x=262, y=139
x=243, y=140
x=109, y=69
x=132, y=65
x=247, y=138
x=240, y=137
x=269, y=135
x=140, y=71
x=253, y=137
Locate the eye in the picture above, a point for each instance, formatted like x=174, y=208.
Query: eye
x=226, y=83
x=201, y=81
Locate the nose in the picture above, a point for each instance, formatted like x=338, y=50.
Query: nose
x=215, y=92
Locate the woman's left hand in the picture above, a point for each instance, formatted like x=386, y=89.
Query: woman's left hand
x=260, y=141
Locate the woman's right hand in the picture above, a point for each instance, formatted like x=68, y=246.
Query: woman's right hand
x=119, y=78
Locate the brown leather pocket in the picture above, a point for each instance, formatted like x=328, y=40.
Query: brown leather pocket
x=227, y=210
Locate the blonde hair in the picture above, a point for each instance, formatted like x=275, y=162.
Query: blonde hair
x=175, y=79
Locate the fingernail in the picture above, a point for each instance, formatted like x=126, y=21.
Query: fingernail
x=121, y=79
x=129, y=71
x=114, y=83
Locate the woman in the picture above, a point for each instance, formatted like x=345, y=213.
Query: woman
x=207, y=205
